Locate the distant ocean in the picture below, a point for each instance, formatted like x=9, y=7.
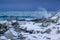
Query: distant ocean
x=23, y=14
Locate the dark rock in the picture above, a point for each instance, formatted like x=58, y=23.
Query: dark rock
x=3, y=28
x=48, y=31
x=15, y=24
x=58, y=32
x=21, y=37
x=48, y=38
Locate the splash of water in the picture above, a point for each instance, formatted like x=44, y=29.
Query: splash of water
x=39, y=13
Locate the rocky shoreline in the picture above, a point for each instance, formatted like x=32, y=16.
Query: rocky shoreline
x=30, y=29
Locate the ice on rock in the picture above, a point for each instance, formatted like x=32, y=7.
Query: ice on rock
x=11, y=34
x=54, y=18
x=30, y=26
x=3, y=38
x=2, y=22
x=58, y=13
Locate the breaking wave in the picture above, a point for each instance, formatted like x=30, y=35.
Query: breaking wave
x=39, y=13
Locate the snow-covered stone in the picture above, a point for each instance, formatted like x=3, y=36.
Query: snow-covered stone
x=3, y=38
x=11, y=34
x=29, y=30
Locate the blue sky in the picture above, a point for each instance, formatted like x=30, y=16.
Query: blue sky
x=29, y=5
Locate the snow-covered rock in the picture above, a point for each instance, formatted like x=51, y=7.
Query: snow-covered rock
x=30, y=30
x=3, y=38
x=11, y=34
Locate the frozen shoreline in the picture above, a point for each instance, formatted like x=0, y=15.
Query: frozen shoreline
x=35, y=29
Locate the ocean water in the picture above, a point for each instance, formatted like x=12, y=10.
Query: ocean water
x=39, y=13
x=23, y=14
